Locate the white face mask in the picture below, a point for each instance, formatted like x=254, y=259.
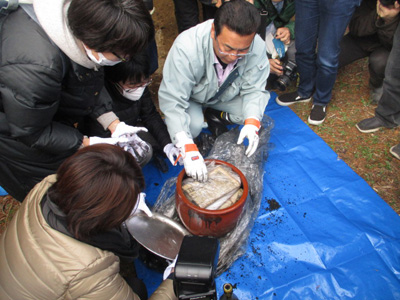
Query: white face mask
x=102, y=61
x=133, y=94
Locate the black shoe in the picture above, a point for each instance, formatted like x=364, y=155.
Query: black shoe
x=395, y=150
x=217, y=121
x=317, y=115
x=370, y=125
x=291, y=98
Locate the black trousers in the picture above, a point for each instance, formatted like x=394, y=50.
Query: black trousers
x=187, y=13
x=352, y=49
x=388, y=109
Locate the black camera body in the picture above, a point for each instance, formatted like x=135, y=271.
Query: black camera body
x=196, y=267
x=289, y=74
x=388, y=3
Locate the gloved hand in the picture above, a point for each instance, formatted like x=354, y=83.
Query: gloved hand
x=141, y=205
x=168, y=270
x=192, y=159
x=126, y=130
x=112, y=141
x=171, y=152
x=137, y=147
x=250, y=130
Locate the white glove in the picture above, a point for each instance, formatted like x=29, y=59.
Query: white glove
x=137, y=144
x=171, y=152
x=250, y=130
x=192, y=159
x=142, y=205
x=126, y=130
x=112, y=141
x=138, y=148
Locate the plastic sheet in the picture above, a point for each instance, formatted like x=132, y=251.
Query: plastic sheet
x=232, y=245
x=321, y=232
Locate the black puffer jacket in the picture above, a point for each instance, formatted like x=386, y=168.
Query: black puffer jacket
x=42, y=92
x=136, y=113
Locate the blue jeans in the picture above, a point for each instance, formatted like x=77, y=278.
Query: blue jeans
x=322, y=23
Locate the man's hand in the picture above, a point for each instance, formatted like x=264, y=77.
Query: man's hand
x=250, y=131
x=192, y=159
x=171, y=152
x=283, y=34
x=275, y=66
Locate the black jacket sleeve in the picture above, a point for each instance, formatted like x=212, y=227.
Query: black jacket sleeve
x=31, y=74
x=152, y=119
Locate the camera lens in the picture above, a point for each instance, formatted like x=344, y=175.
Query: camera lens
x=282, y=82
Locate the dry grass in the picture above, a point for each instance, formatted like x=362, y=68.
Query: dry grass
x=8, y=207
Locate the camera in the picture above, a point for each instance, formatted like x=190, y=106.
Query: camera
x=289, y=74
x=195, y=268
x=387, y=3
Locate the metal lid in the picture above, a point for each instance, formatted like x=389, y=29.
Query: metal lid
x=158, y=234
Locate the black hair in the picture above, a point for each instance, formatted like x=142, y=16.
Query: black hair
x=239, y=16
x=135, y=70
x=123, y=27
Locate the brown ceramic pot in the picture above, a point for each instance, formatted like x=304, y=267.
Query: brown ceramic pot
x=204, y=222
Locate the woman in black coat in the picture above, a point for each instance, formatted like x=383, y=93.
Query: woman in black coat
x=127, y=83
x=51, y=77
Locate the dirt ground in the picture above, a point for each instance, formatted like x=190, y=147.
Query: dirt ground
x=367, y=154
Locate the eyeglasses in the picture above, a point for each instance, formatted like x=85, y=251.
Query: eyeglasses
x=136, y=86
x=123, y=59
x=239, y=53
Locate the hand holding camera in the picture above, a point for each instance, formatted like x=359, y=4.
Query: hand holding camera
x=276, y=66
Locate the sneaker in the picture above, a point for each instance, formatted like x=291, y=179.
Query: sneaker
x=395, y=150
x=217, y=121
x=291, y=98
x=370, y=125
x=317, y=115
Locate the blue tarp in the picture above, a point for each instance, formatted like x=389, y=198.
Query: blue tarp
x=3, y=192
x=328, y=236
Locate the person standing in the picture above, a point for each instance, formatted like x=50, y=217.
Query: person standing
x=319, y=28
